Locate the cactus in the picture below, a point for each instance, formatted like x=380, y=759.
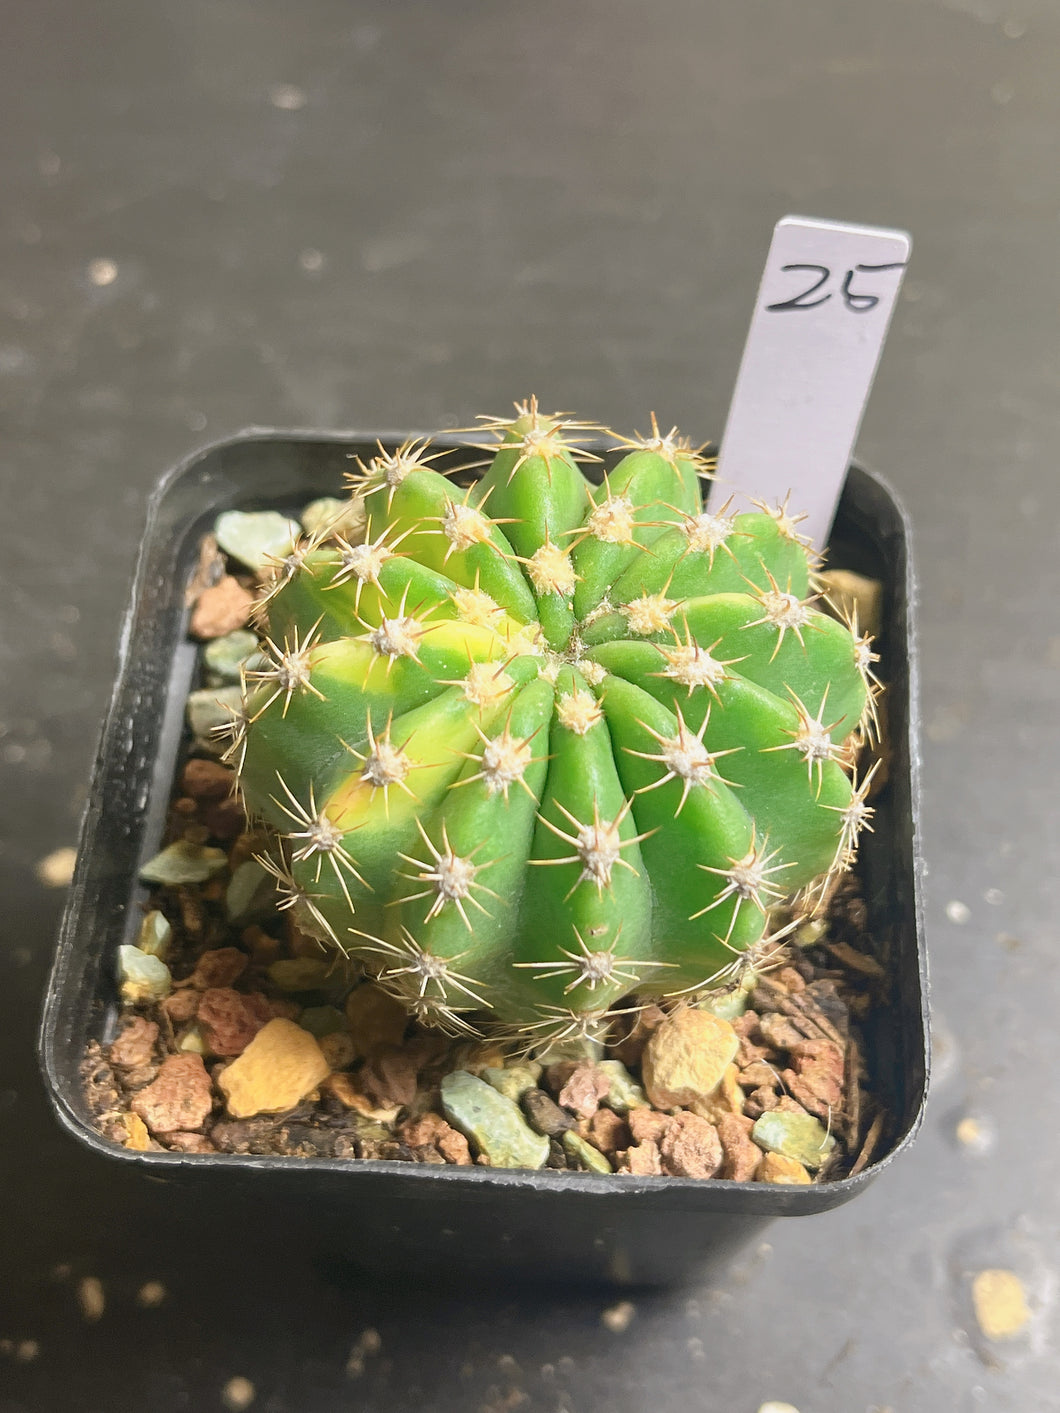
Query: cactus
x=534, y=744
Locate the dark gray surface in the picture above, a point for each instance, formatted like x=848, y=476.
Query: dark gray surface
x=572, y=199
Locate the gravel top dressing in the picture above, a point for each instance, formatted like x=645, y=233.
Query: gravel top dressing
x=240, y=1033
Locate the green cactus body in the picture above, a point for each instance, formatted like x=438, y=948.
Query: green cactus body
x=538, y=744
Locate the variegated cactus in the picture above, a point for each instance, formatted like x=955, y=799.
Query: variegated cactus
x=535, y=744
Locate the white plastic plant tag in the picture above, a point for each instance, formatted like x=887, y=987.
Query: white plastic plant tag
x=823, y=309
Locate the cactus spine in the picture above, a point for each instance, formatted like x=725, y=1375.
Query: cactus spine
x=535, y=744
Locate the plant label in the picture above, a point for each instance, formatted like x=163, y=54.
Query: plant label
x=822, y=313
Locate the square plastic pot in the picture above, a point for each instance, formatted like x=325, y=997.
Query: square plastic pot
x=514, y=1224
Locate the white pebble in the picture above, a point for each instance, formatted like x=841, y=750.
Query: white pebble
x=957, y=911
x=774, y=1407
x=141, y=976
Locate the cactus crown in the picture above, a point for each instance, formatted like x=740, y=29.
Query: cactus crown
x=533, y=744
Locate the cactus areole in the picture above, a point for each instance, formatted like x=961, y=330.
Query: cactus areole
x=533, y=745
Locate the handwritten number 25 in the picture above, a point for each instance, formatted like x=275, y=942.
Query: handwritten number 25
x=859, y=303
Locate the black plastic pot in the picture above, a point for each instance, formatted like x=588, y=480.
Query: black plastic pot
x=567, y=1226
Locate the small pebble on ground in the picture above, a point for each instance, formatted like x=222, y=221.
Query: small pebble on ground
x=151, y=1294
x=1000, y=1303
x=238, y=1393
x=368, y=1343
x=975, y=1134
x=287, y=97
x=957, y=911
x=91, y=1298
x=102, y=272
x=56, y=869
x=616, y=1318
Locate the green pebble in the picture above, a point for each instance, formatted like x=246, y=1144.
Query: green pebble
x=729, y=1005
x=513, y=1081
x=225, y=656
x=300, y=974
x=256, y=538
x=251, y=895
x=584, y=1152
x=322, y=1020
x=211, y=709
x=184, y=862
x=369, y=1129
x=797, y=1136
x=493, y=1123
x=625, y=1093
x=156, y=933
x=810, y=933
x=142, y=977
